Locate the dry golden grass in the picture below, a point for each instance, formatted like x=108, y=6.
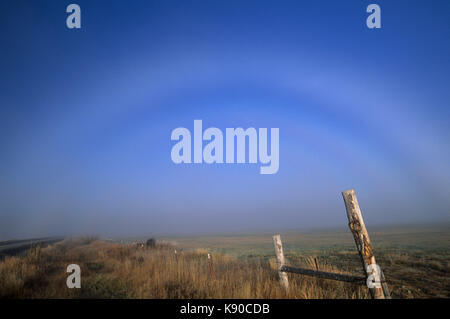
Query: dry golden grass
x=123, y=271
x=415, y=260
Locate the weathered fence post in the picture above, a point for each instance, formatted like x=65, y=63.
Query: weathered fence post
x=362, y=240
x=210, y=266
x=280, y=261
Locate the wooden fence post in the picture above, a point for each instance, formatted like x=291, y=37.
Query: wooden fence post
x=280, y=261
x=210, y=266
x=362, y=240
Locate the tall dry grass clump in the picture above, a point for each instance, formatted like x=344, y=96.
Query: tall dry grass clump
x=111, y=270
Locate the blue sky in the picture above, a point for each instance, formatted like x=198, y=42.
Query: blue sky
x=86, y=115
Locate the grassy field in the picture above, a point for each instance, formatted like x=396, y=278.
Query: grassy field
x=416, y=262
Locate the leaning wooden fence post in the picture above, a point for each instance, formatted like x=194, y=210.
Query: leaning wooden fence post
x=362, y=240
x=280, y=261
